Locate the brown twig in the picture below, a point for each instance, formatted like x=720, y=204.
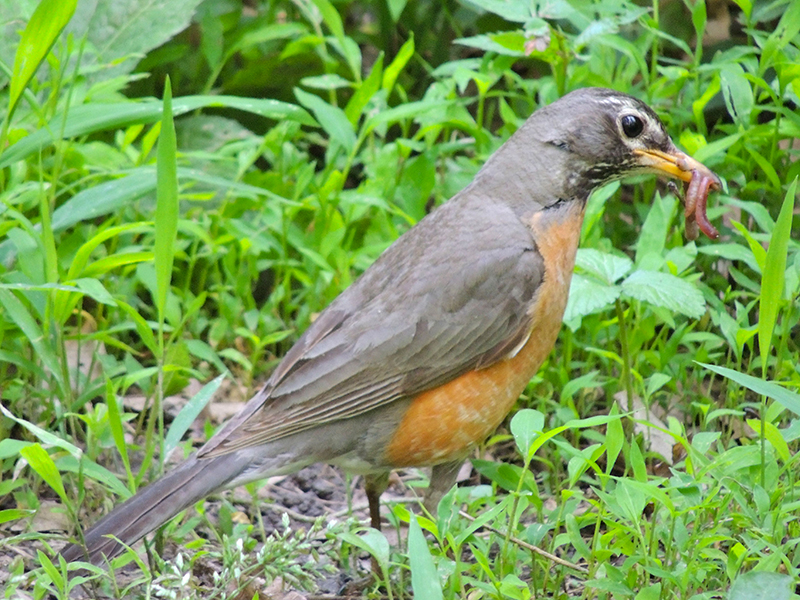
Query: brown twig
x=531, y=547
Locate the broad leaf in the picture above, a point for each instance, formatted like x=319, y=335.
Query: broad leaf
x=762, y=585
x=737, y=93
x=587, y=296
x=665, y=291
x=606, y=267
x=332, y=119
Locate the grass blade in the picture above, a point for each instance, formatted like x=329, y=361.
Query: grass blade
x=117, y=432
x=40, y=461
x=27, y=324
x=424, y=577
x=189, y=413
x=166, y=221
x=41, y=32
x=787, y=398
x=101, y=116
x=773, y=277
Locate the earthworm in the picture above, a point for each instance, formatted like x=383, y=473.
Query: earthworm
x=696, y=200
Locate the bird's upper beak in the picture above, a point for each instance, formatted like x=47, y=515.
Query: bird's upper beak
x=675, y=163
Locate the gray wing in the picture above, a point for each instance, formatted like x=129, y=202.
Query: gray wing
x=450, y=296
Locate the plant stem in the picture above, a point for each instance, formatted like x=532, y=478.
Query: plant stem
x=626, y=357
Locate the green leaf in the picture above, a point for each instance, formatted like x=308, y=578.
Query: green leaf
x=716, y=147
x=27, y=324
x=364, y=93
x=117, y=432
x=699, y=17
x=773, y=436
x=142, y=327
x=735, y=252
x=575, y=537
x=737, y=93
x=330, y=17
x=398, y=64
x=666, y=291
x=43, y=436
x=273, y=31
x=772, y=280
x=94, y=471
x=609, y=268
x=204, y=351
x=395, y=10
x=637, y=463
x=786, y=31
x=39, y=35
x=40, y=461
x=330, y=81
x=104, y=198
x=485, y=517
x=49, y=568
x=651, y=592
x=121, y=32
x=762, y=585
x=596, y=206
x=332, y=119
x=759, y=254
x=95, y=290
x=587, y=296
x=746, y=6
x=13, y=514
x=615, y=439
x=424, y=576
x=787, y=398
x=189, y=413
x=505, y=475
x=166, y=219
x=372, y=541
x=516, y=12
x=526, y=426
x=93, y=117
x=630, y=499
x=409, y=110
x=655, y=229
x=656, y=382
x=487, y=43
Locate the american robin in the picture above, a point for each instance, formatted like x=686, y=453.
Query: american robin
x=425, y=354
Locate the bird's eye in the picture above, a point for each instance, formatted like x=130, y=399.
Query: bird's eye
x=632, y=125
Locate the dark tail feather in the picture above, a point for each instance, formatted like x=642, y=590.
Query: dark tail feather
x=155, y=505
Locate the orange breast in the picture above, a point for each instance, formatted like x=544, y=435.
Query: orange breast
x=446, y=422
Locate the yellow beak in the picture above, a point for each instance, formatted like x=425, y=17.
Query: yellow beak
x=675, y=164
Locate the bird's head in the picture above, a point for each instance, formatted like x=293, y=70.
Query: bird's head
x=584, y=140
x=608, y=135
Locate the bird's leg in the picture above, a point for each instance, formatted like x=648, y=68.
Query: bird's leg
x=443, y=477
x=374, y=485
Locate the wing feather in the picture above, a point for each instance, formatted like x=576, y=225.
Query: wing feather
x=423, y=314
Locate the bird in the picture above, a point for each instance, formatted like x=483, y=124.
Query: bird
x=426, y=353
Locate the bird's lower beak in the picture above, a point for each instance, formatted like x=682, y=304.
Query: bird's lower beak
x=676, y=164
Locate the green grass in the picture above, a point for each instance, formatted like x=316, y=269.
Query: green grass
x=309, y=136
